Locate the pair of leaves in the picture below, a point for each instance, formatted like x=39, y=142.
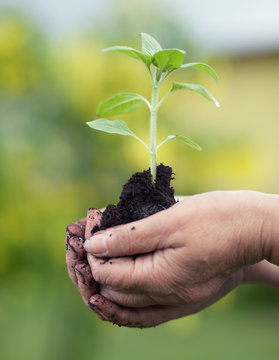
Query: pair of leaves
x=163, y=59
x=152, y=52
x=121, y=128
x=124, y=103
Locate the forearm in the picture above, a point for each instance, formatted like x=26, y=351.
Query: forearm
x=262, y=273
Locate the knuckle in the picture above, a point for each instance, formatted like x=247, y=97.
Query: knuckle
x=75, y=244
x=84, y=271
x=82, y=267
x=124, y=241
x=103, y=277
x=97, y=276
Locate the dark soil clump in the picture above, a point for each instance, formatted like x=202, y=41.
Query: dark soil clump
x=140, y=198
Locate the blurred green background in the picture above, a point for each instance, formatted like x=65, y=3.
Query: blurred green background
x=53, y=167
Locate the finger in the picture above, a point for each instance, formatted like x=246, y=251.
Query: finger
x=70, y=263
x=143, y=236
x=127, y=299
x=155, y=315
x=74, y=233
x=87, y=286
x=135, y=317
x=82, y=222
x=93, y=219
x=125, y=273
x=73, y=241
x=75, y=229
x=76, y=249
x=74, y=253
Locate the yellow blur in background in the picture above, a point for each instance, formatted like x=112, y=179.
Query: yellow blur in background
x=53, y=168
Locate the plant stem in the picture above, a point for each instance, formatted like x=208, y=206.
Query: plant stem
x=153, y=129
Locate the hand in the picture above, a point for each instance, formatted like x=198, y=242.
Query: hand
x=178, y=261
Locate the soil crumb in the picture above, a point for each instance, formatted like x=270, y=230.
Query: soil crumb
x=140, y=198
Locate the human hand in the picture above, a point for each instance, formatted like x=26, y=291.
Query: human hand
x=178, y=261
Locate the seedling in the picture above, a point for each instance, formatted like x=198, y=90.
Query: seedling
x=159, y=63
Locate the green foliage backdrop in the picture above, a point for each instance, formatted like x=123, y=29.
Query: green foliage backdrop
x=53, y=167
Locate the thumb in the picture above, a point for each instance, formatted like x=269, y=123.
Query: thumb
x=138, y=237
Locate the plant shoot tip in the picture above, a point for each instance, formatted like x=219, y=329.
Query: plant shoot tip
x=164, y=62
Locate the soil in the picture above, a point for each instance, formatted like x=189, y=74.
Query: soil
x=140, y=198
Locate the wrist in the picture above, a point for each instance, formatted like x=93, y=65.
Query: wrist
x=270, y=228
x=258, y=231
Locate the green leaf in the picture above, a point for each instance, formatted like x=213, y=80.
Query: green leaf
x=204, y=67
x=169, y=59
x=149, y=45
x=112, y=127
x=122, y=103
x=197, y=88
x=135, y=54
x=186, y=141
x=182, y=138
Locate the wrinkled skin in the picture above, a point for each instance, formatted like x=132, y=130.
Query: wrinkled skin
x=178, y=261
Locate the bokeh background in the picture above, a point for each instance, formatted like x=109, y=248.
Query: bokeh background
x=53, y=167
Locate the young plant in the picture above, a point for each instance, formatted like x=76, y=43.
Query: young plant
x=159, y=63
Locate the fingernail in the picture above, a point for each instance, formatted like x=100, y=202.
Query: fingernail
x=92, y=306
x=96, y=245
